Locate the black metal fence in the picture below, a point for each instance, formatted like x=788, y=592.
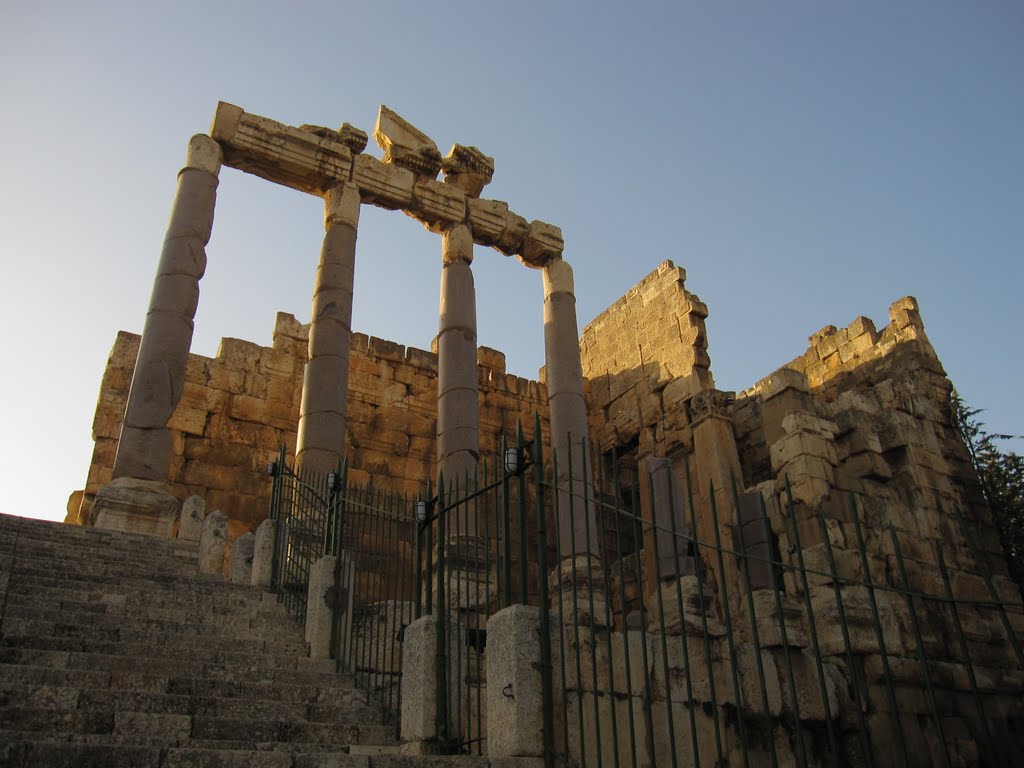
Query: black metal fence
x=696, y=626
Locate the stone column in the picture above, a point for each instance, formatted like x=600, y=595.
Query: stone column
x=138, y=498
x=457, y=417
x=321, y=440
x=564, y=374
x=144, y=448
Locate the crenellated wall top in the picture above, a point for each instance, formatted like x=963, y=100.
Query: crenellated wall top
x=314, y=159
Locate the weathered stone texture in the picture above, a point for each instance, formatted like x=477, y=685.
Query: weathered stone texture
x=239, y=407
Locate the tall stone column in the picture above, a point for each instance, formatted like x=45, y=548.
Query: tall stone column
x=457, y=417
x=577, y=531
x=137, y=498
x=321, y=440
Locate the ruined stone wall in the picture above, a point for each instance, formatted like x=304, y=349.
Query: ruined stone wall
x=239, y=407
x=645, y=357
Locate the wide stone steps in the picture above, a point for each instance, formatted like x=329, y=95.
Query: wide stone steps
x=115, y=651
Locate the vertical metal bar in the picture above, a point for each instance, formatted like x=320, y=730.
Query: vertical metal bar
x=661, y=620
x=523, y=592
x=595, y=486
x=545, y=624
x=690, y=699
x=986, y=572
x=590, y=598
x=810, y=616
x=797, y=720
x=858, y=695
x=441, y=714
x=929, y=690
x=879, y=635
x=575, y=598
x=644, y=656
x=726, y=613
x=556, y=503
x=622, y=602
x=506, y=519
x=755, y=634
x=979, y=706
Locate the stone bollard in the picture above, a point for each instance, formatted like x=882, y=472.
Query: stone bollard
x=240, y=569
x=212, y=543
x=319, y=607
x=263, y=554
x=515, y=721
x=419, y=719
x=193, y=512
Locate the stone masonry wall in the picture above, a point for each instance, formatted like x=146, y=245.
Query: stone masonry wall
x=239, y=407
x=645, y=357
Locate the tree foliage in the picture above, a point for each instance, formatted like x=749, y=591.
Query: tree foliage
x=1001, y=475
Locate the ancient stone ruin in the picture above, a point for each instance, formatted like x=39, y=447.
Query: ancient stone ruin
x=862, y=413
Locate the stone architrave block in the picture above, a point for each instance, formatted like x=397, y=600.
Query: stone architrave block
x=320, y=606
x=307, y=160
x=542, y=243
x=213, y=543
x=193, y=513
x=240, y=568
x=436, y=204
x=488, y=219
x=383, y=184
x=263, y=554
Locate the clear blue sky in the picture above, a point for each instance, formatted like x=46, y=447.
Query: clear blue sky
x=805, y=162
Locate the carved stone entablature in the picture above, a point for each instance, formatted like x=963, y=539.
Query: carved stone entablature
x=710, y=402
x=543, y=242
x=406, y=145
x=310, y=161
x=348, y=134
x=314, y=159
x=468, y=168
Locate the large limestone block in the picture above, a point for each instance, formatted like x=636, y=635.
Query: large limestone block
x=263, y=554
x=420, y=679
x=213, y=543
x=320, y=599
x=136, y=506
x=405, y=145
x=310, y=161
x=193, y=513
x=240, y=568
x=515, y=723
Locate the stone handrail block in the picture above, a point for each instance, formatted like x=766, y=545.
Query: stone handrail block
x=312, y=159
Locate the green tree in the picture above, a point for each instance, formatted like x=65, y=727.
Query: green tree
x=1001, y=475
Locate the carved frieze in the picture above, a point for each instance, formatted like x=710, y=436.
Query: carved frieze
x=405, y=145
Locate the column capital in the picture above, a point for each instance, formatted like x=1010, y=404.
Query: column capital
x=557, y=276
x=457, y=244
x=204, y=154
x=341, y=205
x=710, y=402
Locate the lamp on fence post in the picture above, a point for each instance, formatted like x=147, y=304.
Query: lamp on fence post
x=332, y=482
x=272, y=468
x=517, y=460
x=419, y=511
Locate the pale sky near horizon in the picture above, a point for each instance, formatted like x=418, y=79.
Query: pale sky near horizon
x=805, y=162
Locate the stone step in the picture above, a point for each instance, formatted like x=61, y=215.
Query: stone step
x=64, y=698
x=22, y=754
x=144, y=727
x=143, y=620
x=181, y=645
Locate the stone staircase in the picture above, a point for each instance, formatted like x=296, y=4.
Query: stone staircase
x=114, y=651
